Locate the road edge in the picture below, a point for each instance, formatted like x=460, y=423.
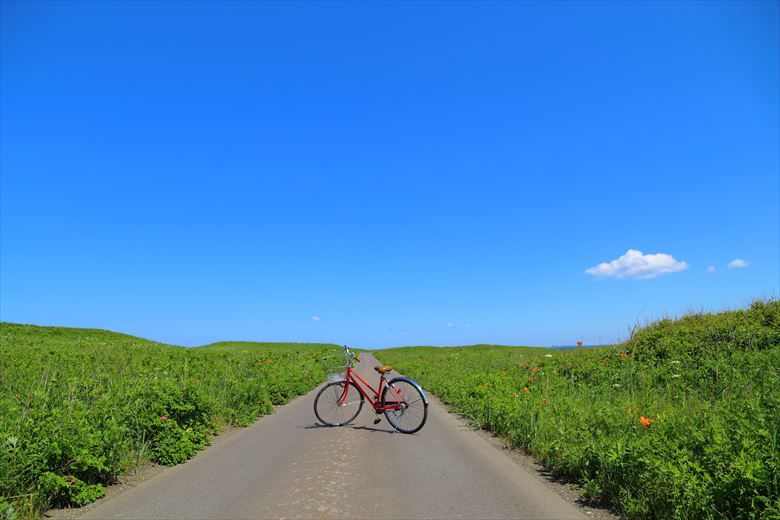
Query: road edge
x=567, y=491
x=149, y=470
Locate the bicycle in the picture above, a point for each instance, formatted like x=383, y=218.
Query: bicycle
x=403, y=402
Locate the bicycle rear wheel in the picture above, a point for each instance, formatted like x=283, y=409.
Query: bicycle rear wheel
x=333, y=408
x=411, y=404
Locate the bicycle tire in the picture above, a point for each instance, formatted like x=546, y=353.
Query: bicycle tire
x=411, y=418
x=326, y=404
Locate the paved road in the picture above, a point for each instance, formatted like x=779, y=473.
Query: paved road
x=287, y=466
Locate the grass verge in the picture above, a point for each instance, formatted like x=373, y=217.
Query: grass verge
x=681, y=421
x=80, y=407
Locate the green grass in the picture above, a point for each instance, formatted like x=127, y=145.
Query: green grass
x=709, y=384
x=80, y=407
x=246, y=347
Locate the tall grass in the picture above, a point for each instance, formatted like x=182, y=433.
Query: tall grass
x=80, y=407
x=681, y=421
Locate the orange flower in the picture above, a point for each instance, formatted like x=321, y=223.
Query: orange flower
x=645, y=421
x=622, y=354
x=579, y=343
x=531, y=379
x=536, y=370
x=525, y=389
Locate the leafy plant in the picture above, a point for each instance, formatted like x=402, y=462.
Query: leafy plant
x=681, y=421
x=62, y=490
x=81, y=406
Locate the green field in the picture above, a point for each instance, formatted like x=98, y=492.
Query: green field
x=80, y=407
x=681, y=421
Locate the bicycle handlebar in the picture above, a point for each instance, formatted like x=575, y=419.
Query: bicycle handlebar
x=354, y=356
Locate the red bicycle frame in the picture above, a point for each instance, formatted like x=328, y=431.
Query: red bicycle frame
x=374, y=399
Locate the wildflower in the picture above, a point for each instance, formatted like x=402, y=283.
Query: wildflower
x=69, y=480
x=579, y=343
x=675, y=362
x=544, y=402
x=675, y=376
x=531, y=379
x=164, y=417
x=548, y=355
x=616, y=385
x=622, y=354
x=525, y=389
x=536, y=370
x=645, y=421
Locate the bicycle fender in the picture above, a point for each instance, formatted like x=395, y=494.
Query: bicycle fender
x=413, y=383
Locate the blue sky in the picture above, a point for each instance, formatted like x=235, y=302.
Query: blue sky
x=385, y=174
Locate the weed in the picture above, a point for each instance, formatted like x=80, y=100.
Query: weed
x=81, y=407
x=681, y=421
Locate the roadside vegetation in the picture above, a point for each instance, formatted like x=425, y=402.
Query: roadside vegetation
x=80, y=407
x=680, y=421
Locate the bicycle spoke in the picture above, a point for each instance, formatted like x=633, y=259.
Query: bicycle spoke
x=410, y=414
x=333, y=408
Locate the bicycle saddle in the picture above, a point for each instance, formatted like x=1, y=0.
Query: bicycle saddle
x=383, y=369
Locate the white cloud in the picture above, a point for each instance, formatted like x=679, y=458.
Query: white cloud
x=634, y=264
x=450, y=324
x=315, y=318
x=738, y=263
x=711, y=270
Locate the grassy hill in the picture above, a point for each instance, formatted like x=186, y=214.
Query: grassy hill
x=681, y=421
x=246, y=347
x=82, y=406
x=34, y=336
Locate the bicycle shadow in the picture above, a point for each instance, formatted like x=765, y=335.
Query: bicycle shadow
x=317, y=426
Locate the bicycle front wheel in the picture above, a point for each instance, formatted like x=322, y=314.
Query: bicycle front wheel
x=338, y=403
x=409, y=405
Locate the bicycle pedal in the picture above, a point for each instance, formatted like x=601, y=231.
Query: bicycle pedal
x=377, y=420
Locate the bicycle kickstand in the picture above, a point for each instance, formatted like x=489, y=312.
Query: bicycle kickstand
x=379, y=419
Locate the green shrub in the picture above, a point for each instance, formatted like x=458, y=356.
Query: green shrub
x=60, y=490
x=708, y=384
x=88, y=405
x=173, y=444
x=7, y=511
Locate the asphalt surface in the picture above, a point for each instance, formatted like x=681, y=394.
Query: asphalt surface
x=288, y=466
